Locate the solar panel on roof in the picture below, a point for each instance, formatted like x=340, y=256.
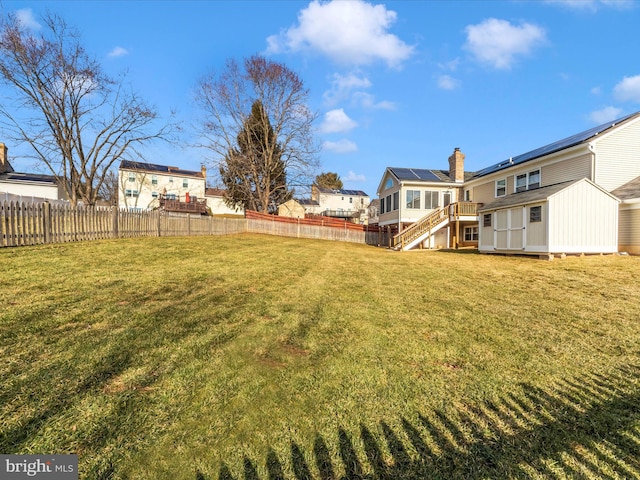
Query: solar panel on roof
x=427, y=175
x=552, y=147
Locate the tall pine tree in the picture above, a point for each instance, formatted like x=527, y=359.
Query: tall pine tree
x=254, y=172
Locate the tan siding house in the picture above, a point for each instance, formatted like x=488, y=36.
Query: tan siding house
x=578, y=216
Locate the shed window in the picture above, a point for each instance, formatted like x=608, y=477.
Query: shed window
x=501, y=187
x=535, y=214
x=413, y=198
x=430, y=200
x=486, y=220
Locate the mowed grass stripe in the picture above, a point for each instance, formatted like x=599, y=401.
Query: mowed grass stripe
x=263, y=357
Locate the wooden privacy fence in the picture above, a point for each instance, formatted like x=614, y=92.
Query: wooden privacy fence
x=41, y=223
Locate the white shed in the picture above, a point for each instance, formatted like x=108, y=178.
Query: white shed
x=571, y=217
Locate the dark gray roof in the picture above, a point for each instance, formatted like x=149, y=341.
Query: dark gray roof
x=530, y=196
x=426, y=175
x=555, y=146
x=343, y=192
x=152, y=167
x=306, y=201
x=629, y=190
x=28, y=177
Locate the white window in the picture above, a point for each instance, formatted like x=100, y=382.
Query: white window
x=467, y=195
x=430, y=200
x=132, y=177
x=185, y=183
x=154, y=194
x=131, y=193
x=350, y=199
x=527, y=181
x=501, y=187
x=486, y=220
x=413, y=198
x=154, y=179
x=470, y=234
x=170, y=179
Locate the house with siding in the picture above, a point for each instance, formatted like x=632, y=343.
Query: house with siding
x=148, y=186
x=27, y=187
x=535, y=203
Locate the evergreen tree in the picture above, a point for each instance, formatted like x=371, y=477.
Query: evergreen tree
x=329, y=180
x=253, y=171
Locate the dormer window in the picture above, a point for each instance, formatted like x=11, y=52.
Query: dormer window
x=527, y=181
x=501, y=187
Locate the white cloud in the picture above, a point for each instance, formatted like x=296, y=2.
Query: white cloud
x=596, y=91
x=593, y=5
x=605, y=115
x=367, y=100
x=341, y=146
x=337, y=121
x=447, y=82
x=451, y=65
x=118, y=52
x=26, y=19
x=498, y=42
x=354, y=177
x=343, y=85
x=628, y=89
x=348, y=32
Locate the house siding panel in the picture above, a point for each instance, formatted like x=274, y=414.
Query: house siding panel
x=564, y=171
x=484, y=193
x=618, y=157
x=629, y=229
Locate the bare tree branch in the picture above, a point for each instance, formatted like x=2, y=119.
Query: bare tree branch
x=78, y=121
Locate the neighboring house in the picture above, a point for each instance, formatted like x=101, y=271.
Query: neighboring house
x=216, y=204
x=373, y=211
x=345, y=204
x=21, y=187
x=147, y=186
x=564, y=216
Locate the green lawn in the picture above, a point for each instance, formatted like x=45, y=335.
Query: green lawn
x=252, y=356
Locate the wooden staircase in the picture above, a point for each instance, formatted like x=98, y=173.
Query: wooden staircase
x=432, y=222
x=422, y=229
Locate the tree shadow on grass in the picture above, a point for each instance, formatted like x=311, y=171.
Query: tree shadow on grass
x=586, y=427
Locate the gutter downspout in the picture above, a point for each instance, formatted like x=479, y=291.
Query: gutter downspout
x=593, y=162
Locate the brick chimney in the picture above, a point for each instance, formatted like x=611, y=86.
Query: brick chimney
x=456, y=166
x=5, y=166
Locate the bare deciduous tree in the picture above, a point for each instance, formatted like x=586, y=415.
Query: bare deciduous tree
x=78, y=121
x=250, y=149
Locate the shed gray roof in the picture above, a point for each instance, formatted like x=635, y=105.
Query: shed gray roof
x=629, y=190
x=530, y=196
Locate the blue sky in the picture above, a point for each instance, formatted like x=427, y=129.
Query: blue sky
x=399, y=83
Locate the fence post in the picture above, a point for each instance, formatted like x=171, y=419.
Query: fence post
x=114, y=222
x=46, y=222
x=188, y=224
x=159, y=222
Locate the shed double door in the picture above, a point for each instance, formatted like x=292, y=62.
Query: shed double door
x=509, y=231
